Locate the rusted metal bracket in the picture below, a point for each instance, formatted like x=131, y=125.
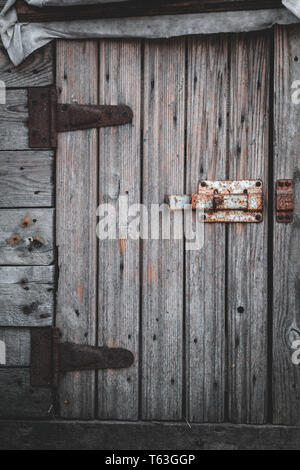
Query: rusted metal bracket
x=284, y=201
x=225, y=201
x=47, y=117
x=49, y=357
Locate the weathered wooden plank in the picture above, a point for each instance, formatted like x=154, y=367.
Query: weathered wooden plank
x=36, y=70
x=248, y=243
x=77, y=153
x=81, y=435
x=205, y=266
x=26, y=236
x=163, y=173
x=13, y=121
x=19, y=399
x=119, y=175
x=286, y=259
x=17, y=346
x=26, y=295
x=26, y=179
x=115, y=10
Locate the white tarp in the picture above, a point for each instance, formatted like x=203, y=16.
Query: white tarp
x=21, y=39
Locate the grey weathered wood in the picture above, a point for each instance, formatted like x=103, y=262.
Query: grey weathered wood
x=26, y=236
x=36, y=70
x=79, y=435
x=248, y=243
x=26, y=179
x=77, y=154
x=17, y=346
x=205, y=266
x=19, y=399
x=163, y=266
x=286, y=259
x=119, y=175
x=26, y=295
x=13, y=121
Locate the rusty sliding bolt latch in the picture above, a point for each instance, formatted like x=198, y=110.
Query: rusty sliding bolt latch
x=284, y=201
x=225, y=201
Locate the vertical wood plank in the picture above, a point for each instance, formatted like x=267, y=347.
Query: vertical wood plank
x=119, y=175
x=205, y=268
x=248, y=243
x=77, y=77
x=286, y=260
x=163, y=164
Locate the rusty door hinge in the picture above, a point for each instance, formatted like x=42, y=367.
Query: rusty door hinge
x=284, y=201
x=47, y=117
x=225, y=201
x=49, y=357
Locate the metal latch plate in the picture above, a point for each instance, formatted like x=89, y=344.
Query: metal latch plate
x=225, y=201
x=284, y=201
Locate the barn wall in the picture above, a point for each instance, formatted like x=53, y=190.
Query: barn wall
x=27, y=268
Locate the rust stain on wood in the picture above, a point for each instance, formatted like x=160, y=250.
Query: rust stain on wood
x=122, y=245
x=150, y=274
x=26, y=221
x=79, y=291
x=14, y=239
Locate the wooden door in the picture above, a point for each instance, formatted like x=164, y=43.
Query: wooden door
x=197, y=321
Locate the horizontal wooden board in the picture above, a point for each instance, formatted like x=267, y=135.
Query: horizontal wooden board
x=158, y=7
x=36, y=70
x=64, y=435
x=17, y=346
x=13, y=121
x=26, y=179
x=26, y=236
x=19, y=399
x=26, y=296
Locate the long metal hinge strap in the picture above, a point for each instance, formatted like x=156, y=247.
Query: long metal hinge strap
x=47, y=117
x=49, y=357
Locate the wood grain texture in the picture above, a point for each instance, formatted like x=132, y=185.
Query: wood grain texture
x=26, y=13
x=205, y=266
x=26, y=296
x=19, y=399
x=119, y=278
x=17, y=346
x=115, y=435
x=13, y=121
x=36, y=70
x=26, y=236
x=286, y=260
x=163, y=173
x=248, y=243
x=26, y=179
x=77, y=154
